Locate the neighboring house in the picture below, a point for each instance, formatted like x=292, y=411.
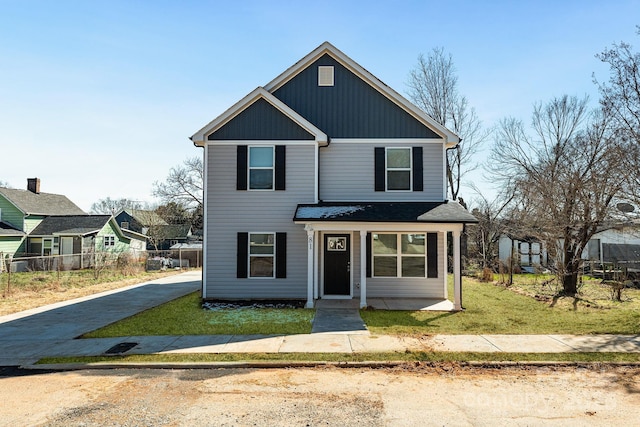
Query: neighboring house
x=82, y=235
x=326, y=183
x=21, y=211
x=528, y=253
x=618, y=244
x=160, y=234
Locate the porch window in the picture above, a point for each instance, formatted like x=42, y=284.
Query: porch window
x=261, y=254
x=399, y=255
x=109, y=241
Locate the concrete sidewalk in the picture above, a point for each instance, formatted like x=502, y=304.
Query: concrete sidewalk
x=351, y=343
x=29, y=336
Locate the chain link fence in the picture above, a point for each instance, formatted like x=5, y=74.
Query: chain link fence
x=151, y=260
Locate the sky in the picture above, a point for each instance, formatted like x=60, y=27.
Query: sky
x=98, y=98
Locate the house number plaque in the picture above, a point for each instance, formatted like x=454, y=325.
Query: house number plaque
x=338, y=244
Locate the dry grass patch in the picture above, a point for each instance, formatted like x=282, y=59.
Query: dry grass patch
x=36, y=289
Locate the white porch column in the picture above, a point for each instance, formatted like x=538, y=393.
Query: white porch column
x=316, y=263
x=363, y=268
x=310, y=265
x=457, y=279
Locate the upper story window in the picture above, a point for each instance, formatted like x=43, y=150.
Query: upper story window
x=261, y=168
x=398, y=169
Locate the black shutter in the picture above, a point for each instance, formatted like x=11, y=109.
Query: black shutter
x=281, y=255
x=368, y=254
x=242, y=261
x=241, y=168
x=281, y=163
x=432, y=255
x=379, y=165
x=417, y=169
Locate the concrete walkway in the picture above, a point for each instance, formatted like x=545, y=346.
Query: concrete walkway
x=29, y=336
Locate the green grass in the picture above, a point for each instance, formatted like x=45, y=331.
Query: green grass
x=184, y=316
x=353, y=357
x=493, y=309
x=489, y=309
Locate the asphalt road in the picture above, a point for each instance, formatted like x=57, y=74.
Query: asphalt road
x=412, y=395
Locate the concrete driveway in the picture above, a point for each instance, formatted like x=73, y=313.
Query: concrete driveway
x=29, y=335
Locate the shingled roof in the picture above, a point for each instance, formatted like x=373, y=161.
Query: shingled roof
x=70, y=225
x=40, y=203
x=9, y=230
x=442, y=212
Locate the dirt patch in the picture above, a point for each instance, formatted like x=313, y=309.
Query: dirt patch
x=408, y=395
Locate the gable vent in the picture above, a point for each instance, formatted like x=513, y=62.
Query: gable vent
x=325, y=75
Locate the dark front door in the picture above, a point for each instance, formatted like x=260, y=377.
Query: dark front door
x=337, y=264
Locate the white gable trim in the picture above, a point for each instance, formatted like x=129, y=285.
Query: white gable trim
x=200, y=137
x=450, y=138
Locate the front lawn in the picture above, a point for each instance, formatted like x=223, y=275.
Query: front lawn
x=489, y=309
x=185, y=316
x=495, y=309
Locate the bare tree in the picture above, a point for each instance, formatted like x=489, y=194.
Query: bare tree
x=433, y=86
x=564, y=179
x=184, y=184
x=110, y=206
x=485, y=235
x=620, y=97
x=4, y=184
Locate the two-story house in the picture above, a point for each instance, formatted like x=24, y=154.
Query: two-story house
x=326, y=183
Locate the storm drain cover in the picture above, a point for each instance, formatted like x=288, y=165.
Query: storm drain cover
x=123, y=347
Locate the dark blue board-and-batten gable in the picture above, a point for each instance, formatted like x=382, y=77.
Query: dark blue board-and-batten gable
x=350, y=108
x=261, y=121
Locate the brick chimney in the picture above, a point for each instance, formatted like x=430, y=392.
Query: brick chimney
x=33, y=185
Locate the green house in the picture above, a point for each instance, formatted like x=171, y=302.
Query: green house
x=21, y=211
x=34, y=224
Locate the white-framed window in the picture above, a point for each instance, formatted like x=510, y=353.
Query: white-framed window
x=399, y=254
x=262, y=254
x=398, y=168
x=124, y=225
x=109, y=241
x=261, y=167
x=47, y=247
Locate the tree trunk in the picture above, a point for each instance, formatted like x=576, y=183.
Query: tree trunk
x=570, y=283
x=570, y=276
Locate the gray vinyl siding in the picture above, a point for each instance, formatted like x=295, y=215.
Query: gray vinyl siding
x=390, y=287
x=347, y=174
x=230, y=211
x=351, y=108
x=263, y=121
